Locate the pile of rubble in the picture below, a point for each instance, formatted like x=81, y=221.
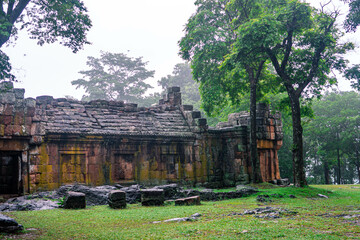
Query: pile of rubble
x=133, y=194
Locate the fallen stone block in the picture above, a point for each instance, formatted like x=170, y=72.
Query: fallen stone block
x=152, y=197
x=117, y=199
x=75, y=200
x=9, y=225
x=193, y=217
x=322, y=196
x=195, y=200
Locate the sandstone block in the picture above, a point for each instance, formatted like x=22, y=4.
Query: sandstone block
x=117, y=199
x=75, y=200
x=152, y=197
x=19, y=93
x=195, y=200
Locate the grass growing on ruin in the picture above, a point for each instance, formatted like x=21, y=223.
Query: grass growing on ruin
x=317, y=218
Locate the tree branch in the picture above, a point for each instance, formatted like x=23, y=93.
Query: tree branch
x=18, y=10
x=289, y=43
x=2, y=8
x=259, y=70
x=10, y=7
x=315, y=61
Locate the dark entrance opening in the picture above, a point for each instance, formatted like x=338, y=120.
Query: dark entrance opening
x=10, y=175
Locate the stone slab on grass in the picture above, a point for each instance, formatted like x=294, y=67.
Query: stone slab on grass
x=152, y=197
x=75, y=200
x=195, y=200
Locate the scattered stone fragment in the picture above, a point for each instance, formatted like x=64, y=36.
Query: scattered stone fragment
x=245, y=188
x=263, y=198
x=283, y=182
x=184, y=219
x=117, y=199
x=277, y=195
x=195, y=200
x=152, y=197
x=322, y=196
x=27, y=204
x=75, y=200
x=9, y=225
x=267, y=212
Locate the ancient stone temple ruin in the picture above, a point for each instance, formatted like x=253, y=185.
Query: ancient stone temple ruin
x=47, y=142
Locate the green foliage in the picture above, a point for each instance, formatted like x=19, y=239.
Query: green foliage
x=114, y=76
x=208, y=38
x=353, y=17
x=47, y=21
x=61, y=201
x=316, y=218
x=5, y=68
x=335, y=127
x=353, y=74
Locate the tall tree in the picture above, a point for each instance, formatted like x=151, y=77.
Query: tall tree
x=47, y=21
x=220, y=30
x=304, y=48
x=114, y=76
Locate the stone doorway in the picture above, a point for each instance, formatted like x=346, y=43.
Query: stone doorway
x=10, y=173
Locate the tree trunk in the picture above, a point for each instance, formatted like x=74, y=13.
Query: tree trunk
x=338, y=165
x=255, y=164
x=357, y=163
x=297, y=148
x=326, y=172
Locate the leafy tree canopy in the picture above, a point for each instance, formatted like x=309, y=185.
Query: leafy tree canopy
x=114, y=76
x=353, y=18
x=47, y=21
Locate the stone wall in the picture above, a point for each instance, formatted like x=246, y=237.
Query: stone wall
x=53, y=142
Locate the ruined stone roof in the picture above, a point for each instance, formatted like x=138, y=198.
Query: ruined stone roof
x=45, y=115
x=111, y=118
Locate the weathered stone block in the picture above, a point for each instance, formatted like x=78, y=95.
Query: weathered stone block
x=2, y=130
x=195, y=200
x=196, y=114
x=8, y=109
x=117, y=199
x=188, y=107
x=9, y=225
x=6, y=120
x=8, y=98
x=177, y=98
x=201, y=122
x=19, y=93
x=173, y=89
x=75, y=200
x=30, y=102
x=152, y=197
x=44, y=99
x=6, y=86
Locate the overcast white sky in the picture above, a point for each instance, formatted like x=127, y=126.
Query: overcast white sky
x=144, y=28
x=147, y=28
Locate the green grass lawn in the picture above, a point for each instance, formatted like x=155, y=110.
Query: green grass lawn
x=317, y=218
